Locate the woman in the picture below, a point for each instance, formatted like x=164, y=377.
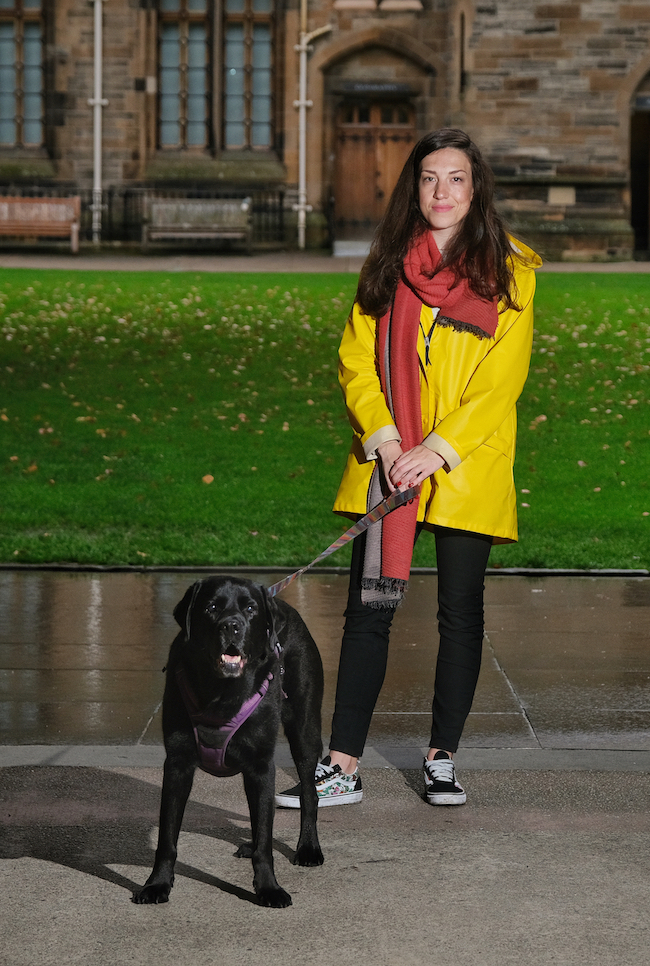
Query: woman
x=432, y=361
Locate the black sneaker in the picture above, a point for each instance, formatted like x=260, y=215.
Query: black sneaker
x=440, y=785
x=333, y=787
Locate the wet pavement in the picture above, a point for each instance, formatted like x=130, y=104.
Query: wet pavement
x=132, y=260
x=566, y=663
x=546, y=864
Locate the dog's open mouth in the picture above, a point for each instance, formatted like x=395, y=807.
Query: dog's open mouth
x=232, y=665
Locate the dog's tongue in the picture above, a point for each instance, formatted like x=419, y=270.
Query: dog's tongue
x=231, y=658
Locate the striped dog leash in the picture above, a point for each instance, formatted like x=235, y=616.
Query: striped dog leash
x=396, y=499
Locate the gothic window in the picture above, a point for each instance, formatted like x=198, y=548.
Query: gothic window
x=184, y=74
x=21, y=73
x=247, y=74
x=227, y=46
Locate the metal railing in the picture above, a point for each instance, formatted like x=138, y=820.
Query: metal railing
x=123, y=207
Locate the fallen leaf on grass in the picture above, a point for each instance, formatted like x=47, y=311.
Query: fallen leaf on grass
x=207, y=478
x=536, y=421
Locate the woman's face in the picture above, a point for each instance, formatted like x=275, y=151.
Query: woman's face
x=445, y=192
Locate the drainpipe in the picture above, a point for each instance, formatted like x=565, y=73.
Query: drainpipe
x=303, y=48
x=97, y=102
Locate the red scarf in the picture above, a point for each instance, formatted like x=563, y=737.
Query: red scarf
x=388, y=554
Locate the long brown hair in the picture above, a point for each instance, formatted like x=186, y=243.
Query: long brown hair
x=479, y=250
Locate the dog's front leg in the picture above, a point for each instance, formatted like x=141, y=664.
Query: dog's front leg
x=308, y=851
x=177, y=784
x=260, y=790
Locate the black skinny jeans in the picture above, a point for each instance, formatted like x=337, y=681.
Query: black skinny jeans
x=462, y=559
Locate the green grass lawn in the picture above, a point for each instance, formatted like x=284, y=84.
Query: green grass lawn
x=196, y=419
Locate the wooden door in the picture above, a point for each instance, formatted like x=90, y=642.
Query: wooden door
x=373, y=140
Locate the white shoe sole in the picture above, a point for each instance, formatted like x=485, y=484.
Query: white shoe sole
x=347, y=798
x=439, y=798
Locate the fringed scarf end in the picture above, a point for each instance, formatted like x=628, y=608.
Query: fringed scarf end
x=383, y=593
x=458, y=326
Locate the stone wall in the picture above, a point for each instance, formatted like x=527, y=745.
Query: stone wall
x=123, y=116
x=548, y=98
x=545, y=89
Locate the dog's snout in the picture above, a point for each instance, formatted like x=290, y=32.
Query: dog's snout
x=232, y=627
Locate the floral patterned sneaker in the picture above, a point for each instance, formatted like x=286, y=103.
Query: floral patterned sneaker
x=333, y=787
x=440, y=785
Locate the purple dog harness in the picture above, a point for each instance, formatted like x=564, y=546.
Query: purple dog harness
x=212, y=745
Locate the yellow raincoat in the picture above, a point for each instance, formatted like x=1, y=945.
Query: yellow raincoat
x=468, y=393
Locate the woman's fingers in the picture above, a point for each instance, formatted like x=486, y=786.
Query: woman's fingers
x=414, y=466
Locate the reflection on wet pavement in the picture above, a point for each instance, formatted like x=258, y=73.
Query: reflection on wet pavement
x=566, y=662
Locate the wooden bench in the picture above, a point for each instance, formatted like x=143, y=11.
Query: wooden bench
x=167, y=219
x=41, y=218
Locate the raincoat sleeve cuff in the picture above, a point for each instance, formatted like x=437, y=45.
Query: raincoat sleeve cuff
x=442, y=447
x=378, y=437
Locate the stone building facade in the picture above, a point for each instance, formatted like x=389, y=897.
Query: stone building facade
x=200, y=100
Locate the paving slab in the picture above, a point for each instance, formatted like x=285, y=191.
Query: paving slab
x=546, y=864
x=542, y=868
x=132, y=260
x=566, y=663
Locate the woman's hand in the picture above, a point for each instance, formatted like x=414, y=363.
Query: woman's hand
x=413, y=467
x=388, y=452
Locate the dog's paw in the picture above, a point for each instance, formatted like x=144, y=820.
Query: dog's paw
x=151, y=894
x=245, y=851
x=274, y=898
x=308, y=856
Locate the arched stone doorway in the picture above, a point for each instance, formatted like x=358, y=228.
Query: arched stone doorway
x=379, y=98
x=640, y=168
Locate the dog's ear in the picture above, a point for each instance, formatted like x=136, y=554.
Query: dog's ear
x=274, y=620
x=183, y=609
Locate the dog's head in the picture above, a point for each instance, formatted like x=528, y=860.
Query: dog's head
x=229, y=623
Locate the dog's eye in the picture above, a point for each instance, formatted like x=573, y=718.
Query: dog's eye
x=250, y=609
x=210, y=608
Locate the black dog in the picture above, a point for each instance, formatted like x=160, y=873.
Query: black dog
x=240, y=654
